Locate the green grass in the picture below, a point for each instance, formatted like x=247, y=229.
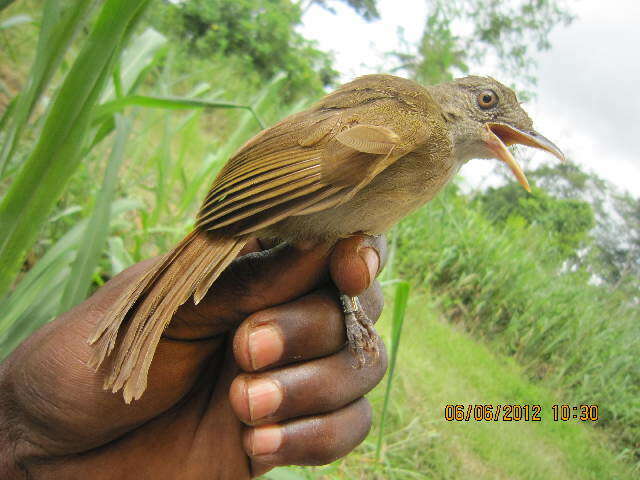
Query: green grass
x=440, y=364
x=67, y=164
x=504, y=283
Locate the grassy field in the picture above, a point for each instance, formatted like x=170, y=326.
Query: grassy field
x=440, y=364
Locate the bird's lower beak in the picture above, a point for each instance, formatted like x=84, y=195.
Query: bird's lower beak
x=500, y=135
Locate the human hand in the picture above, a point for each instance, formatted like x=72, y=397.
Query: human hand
x=299, y=396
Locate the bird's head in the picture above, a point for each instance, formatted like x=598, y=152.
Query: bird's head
x=484, y=118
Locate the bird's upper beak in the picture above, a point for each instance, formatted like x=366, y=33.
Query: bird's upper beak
x=499, y=135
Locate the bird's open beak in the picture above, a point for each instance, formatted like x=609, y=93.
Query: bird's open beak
x=500, y=135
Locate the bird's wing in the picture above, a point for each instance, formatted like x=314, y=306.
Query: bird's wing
x=306, y=163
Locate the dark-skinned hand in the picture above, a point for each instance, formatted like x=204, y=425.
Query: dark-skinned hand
x=257, y=375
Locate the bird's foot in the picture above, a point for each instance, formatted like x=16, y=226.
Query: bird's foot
x=361, y=335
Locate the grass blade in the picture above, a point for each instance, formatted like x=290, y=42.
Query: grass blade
x=399, y=309
x=167, y=103
x=37, y=297
x=15, y=21
x=44, y=175
x=57, y=31
x=97, y=229
x=136, y=59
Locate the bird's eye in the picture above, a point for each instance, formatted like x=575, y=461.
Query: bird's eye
x=487, y=99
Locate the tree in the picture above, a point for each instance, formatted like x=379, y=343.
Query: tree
x=509, y=31
x=612, y=252
x=440, y=52
x=260, y=32
x=567, y=221
x=367, y=9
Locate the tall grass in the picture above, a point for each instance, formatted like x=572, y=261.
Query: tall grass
x=505, y=284
x=86, y=231
x=401, y=299
x=42, y=178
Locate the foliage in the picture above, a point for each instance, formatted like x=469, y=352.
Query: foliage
x=566, y=221
x=440, y=52
x=367, y=9
x=615, y=256
x=58, y=30
x=502, y=280
x=401, y=299
x=500, y=277
x=505, y=32
x=262, y=33
x=42, y=178
x=70, y=257
x=612, y=251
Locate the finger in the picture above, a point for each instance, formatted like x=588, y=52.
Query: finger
x=252, y=282
x=307, y=328
x=355, y=262
x=270, y=277
x=315, y=440
x=309, y=388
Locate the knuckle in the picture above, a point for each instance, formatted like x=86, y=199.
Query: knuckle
x=327, y=447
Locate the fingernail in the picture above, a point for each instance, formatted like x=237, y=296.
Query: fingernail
x=372, y=261
x=265, y=346
x=265, y=440
x=264, y=398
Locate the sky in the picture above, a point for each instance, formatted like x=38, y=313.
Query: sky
x=587, y=99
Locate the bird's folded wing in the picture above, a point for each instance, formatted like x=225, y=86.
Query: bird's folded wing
x=297, y=168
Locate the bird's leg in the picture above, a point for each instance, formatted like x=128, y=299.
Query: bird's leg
x=361, y=335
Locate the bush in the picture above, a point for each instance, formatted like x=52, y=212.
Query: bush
x=261, y=33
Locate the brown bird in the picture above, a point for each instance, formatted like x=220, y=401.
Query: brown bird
x=359, y=160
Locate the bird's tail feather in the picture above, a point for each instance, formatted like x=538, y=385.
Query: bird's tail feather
x=145, y=310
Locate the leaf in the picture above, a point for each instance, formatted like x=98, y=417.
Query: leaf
x=5, y=3
x=286, y=473
x=37, y=297
x=56, y=33
x=399, y=309
x=167, y=103
x=56, y=155
x=96, y=231
x=15, y=21
x=135, y=60
x=118, y=256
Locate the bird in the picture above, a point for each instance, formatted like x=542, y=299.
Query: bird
x=356, y=161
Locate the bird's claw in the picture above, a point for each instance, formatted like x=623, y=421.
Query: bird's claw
x=361, y=335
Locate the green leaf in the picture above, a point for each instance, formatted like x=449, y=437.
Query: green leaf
x=56, y=33
x=167, y=103
x=136, y=59
x=37, y=297
x=15, y=21
x=118, y=256
x=286, y=473
x=399, y=310
x=95, y=234
x=55, y=157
